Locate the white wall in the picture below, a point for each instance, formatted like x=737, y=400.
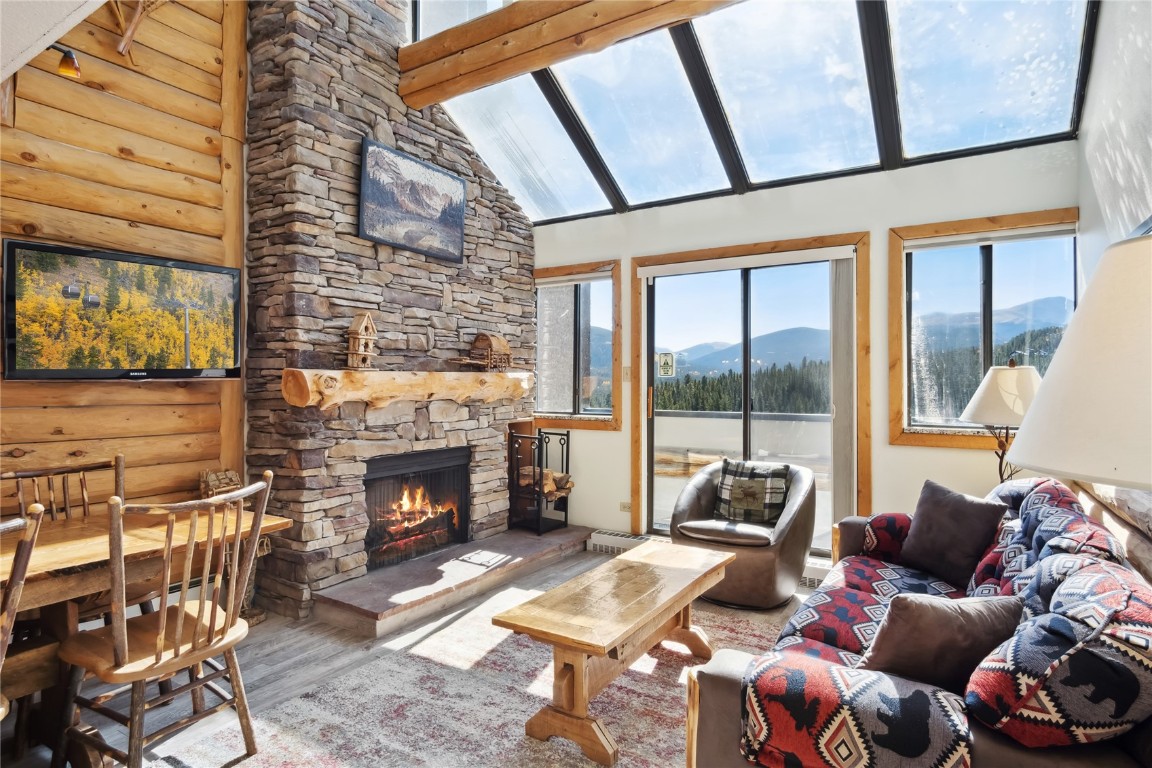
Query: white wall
x=1116, y=129
x=27, y=27
x=1032, y=179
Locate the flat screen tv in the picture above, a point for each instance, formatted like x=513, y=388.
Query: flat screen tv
x=76, y=313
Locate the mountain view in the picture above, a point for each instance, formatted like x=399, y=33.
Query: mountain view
x=707, y=374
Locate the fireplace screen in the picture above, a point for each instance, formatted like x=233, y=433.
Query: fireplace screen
x=417, y=503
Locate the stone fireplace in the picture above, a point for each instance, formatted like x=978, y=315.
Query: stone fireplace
x=417, y=503
x=324, y=78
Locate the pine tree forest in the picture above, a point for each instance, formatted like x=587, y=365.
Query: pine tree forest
x=75, y=312
x=947, y=378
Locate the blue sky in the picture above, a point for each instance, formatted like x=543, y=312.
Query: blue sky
x=791, y=77
x=693, y=309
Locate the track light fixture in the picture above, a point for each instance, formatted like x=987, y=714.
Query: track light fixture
x=69, y=66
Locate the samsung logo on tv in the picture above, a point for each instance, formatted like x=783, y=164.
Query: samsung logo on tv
x=137, y=373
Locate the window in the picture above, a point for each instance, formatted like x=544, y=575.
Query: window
x=578, y=346
x=980, y=74
x=792, y=81
x=966, y=296
x=636, y=102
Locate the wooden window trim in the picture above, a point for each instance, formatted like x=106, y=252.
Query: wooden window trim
x=592, y=421
x=899, y=433
x=861, y=241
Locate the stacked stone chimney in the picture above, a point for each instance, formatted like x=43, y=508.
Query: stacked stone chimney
x=324, y=77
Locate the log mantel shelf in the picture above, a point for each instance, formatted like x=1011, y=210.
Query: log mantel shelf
x=328, y=388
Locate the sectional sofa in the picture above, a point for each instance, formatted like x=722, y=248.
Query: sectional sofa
x=1041, y=657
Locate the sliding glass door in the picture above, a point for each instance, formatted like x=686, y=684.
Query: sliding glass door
x=741, y=366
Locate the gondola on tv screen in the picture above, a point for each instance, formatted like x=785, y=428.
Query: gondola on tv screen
x=76, y=313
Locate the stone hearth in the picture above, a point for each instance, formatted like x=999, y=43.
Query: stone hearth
x=390, y=599
x=325, y=78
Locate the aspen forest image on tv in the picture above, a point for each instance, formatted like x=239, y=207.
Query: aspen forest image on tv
x=79, y=312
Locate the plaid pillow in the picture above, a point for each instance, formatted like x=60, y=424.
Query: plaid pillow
x=752, y=492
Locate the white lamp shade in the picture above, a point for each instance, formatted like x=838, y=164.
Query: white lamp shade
x=1092, y=419
x=1003, y=396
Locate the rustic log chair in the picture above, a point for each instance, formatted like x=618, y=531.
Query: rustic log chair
x=65, y=494
x=27, y=527
x=198, y=619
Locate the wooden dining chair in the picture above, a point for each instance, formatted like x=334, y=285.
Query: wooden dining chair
x=65, y=490
x=198, y=619
x=27, y=528
x=69, y=492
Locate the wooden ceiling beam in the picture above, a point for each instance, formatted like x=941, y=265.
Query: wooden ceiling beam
x=526, y=36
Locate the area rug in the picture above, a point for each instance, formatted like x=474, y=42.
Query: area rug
x=457, y=693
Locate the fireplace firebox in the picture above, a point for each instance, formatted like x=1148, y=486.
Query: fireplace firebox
x=417, y=503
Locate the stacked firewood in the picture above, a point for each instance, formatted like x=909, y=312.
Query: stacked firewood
x=554, y=484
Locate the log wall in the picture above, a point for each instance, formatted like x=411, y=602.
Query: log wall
x=143, y=154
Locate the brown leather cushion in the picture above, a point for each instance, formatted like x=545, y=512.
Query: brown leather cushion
x=727, y=532
x=950, y=532
x=939, y=640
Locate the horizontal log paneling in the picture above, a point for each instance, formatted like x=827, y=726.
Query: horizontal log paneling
x=190, y=23
x=101, y=43
x=22, y=217
x=78, y=131
x=24, y=148
x=100, y=421
x=213, y=9
x=160, y=37
x=27, y=394
x=140, y=89
x=138, y=451
x=26, y=183
x=130, y=158
x=68, y=95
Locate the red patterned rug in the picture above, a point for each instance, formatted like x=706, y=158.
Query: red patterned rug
x=457, y=693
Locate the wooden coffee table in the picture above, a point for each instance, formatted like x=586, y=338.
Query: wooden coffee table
x=600, y=622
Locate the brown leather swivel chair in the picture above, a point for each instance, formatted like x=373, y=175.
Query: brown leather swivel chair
x=769, y=559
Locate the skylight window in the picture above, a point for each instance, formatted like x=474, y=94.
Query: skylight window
x=792, y=80
x=522, y=141
x=439, y=15
x=636, y=102
x=983, y=73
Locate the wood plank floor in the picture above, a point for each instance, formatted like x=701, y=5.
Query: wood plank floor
x=283, y=658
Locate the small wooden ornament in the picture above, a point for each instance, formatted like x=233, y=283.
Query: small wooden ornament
x=361, y=343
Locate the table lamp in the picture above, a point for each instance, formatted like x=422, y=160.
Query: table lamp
x=1000, y=403
x=1092, y=419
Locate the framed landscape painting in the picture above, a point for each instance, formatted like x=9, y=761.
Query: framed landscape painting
x=410, y=204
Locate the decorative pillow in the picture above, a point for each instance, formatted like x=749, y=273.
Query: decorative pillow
x=938, y=640
x=1080, y=674
x=950, y=532
x=884, y=535
x=752, y=492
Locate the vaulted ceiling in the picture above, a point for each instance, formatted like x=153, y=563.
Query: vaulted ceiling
x=766, y=93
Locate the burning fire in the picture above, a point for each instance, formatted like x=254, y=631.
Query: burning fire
x=415, y=508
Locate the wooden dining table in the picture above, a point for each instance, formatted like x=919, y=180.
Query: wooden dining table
x=71, y=561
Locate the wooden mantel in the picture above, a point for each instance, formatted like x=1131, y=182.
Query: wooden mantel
x=526, y=36
x=328, y=388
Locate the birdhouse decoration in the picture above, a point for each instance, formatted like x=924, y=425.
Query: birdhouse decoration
x=490, y=352
x=362, y=342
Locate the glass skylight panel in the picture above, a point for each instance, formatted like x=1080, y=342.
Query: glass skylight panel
x=978, y=73
x=635, y=100
x=792, y=79
x=438, y=15
x=520, y=138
